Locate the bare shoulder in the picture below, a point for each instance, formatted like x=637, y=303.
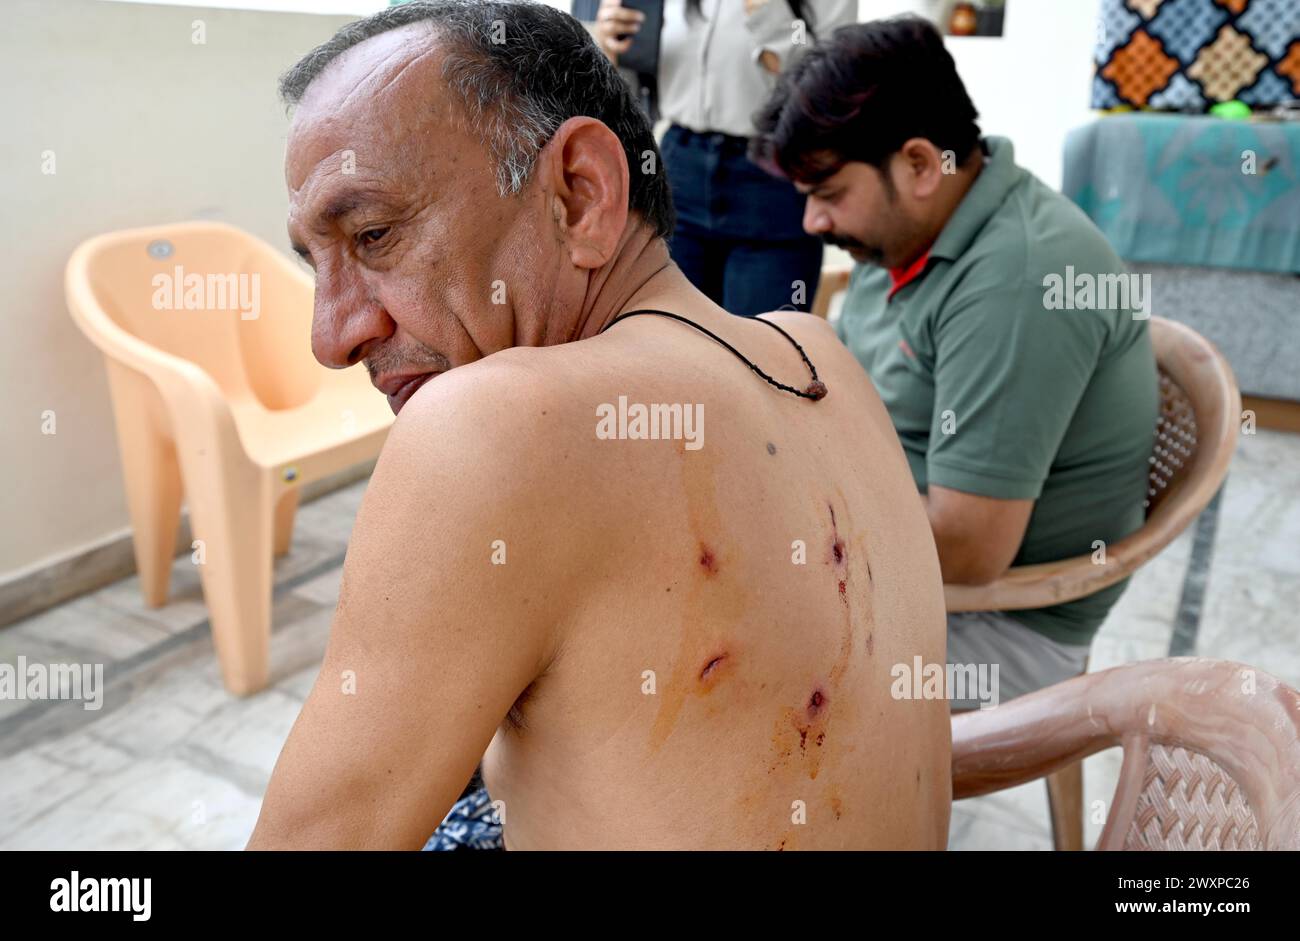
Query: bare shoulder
x=819, y=340
x=803, y=323
x=516, y=430
x=510, y=409
x=807, y=329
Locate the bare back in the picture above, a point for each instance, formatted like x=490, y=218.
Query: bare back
x=724, y=681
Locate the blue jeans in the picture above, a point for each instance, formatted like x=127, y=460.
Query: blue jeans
x=739, y=235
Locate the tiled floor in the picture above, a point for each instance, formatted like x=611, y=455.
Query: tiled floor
x=171, y=761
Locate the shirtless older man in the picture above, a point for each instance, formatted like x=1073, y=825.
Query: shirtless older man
x=647, y=643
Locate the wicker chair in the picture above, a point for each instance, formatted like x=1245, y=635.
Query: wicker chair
x=1195, y=436
x=1211, y=752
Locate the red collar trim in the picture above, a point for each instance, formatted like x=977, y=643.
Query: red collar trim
x=901, y=277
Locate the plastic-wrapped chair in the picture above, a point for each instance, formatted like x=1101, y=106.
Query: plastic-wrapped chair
x=205, y=332
x=1211, y=751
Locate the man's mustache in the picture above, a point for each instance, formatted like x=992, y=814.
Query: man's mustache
x=843, y=241
x=388, y=360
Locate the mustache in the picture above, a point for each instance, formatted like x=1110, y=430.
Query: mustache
x=389, y=359
x=843, y=241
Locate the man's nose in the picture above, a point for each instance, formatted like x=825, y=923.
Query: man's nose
x=815, y=219
x=345, y=320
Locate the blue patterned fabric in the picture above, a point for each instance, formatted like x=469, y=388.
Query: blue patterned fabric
x=472, y=824
x=1187, y=55
x=1103, y=96
x=1177, y=190
x=1181, y=94
x=1184, y=26
x=1115, y=26
x=1271, y=24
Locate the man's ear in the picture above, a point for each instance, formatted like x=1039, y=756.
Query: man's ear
x=586, y=183
x=922, y=165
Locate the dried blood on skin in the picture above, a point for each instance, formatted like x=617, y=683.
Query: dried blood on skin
x=708, y=561
x=816, y=703
x=837, y=544
x=711, y=668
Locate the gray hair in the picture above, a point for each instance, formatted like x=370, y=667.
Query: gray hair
x=520, y=70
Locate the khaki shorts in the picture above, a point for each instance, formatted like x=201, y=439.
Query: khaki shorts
x=1026, y=660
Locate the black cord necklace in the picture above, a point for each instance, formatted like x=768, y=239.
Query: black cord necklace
x=816, y=389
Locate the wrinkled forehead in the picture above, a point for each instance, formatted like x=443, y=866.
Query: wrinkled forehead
x=373, y=98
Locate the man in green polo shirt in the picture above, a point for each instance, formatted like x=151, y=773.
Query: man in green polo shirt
x=1026, y=418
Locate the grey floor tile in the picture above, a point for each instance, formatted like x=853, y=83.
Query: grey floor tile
x=323, y=589
x=972, y=830
x=33, y=786
x=147, y=804
x=243, y=739
x=300, y=643
x=1252, y=615
x=106, y=632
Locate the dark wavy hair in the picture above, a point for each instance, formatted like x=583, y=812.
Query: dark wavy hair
x=858, y=95
x=521, y=69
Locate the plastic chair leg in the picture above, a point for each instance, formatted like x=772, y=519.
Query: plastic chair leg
x=153, y=480
x=234, y=522
x=285, y=511
x=1065, y=799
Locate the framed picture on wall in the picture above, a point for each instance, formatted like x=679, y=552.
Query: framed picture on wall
x=965, y=17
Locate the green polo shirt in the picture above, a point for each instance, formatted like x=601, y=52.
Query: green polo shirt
x=995, y=392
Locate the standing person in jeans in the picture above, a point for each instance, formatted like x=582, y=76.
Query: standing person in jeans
x=739, y=236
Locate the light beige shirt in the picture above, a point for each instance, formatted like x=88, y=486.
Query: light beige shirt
x=710, y=78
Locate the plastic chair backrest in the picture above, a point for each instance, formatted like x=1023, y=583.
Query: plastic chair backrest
x=217, y=297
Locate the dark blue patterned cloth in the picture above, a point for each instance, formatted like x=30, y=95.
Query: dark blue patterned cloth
x=472, y=824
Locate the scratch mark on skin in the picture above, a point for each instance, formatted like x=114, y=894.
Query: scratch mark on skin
x=838, y=550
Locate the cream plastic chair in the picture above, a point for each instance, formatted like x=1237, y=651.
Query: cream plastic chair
x=1195, y=437
x=218, y=399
